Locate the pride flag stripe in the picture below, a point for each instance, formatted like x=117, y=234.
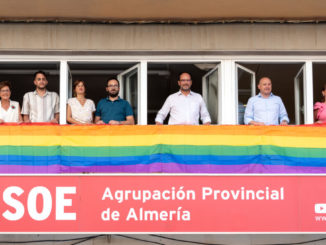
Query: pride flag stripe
x=316, y=131
x=163, y=158
x=190, y=150
x=149, y=140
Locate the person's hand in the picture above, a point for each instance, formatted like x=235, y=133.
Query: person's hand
x=158, y=123
x=54, y=121
x=114, y=122
x=208, y=123
x=284, y=123
x=319, y=122
x=257, y=123
x=2, y=121
x=100, y=122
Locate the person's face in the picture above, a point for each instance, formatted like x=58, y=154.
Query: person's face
x=40, y=81
x=185, y=82
x=80, y=88
x=5, y=93
x=265, y=86
x=113, y=88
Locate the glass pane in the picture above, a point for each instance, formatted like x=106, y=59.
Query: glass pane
x=244, y=92
x=69, y=84
x=301, y=102
x=130, y=84
x=212, y=91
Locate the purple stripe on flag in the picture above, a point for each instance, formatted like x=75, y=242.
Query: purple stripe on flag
x=161, y=168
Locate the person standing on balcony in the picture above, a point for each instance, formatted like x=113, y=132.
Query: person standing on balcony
x=41, y=105
x=9, y=110
x=320, y=108
x=185, y=106
x=79, y=109
x=112, y=109
x=265, y=108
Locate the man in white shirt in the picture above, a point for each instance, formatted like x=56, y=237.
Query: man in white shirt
x=184, y=106
x=41, y=105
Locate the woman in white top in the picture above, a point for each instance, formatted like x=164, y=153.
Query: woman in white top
x=9, y=110
x=79, y=109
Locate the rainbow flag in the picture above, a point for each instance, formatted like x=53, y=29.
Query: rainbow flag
x=157, y=149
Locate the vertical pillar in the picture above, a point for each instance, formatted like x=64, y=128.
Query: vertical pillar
x=63, y=91
x=142, y=93
x=308, y=93
x=227, y=98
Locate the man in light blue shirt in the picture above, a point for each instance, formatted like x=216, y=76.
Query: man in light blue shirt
x=265, y=108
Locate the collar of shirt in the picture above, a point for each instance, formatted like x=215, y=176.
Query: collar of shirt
x=107, y=98
x=180, y=93
x=260, y=96
x=46, y=93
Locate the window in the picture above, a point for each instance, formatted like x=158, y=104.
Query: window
x=95, y=75
x=288, y=81
x=20, y=74
x=163, y=81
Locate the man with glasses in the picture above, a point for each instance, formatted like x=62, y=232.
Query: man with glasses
x=112, y=109
x=185, y=107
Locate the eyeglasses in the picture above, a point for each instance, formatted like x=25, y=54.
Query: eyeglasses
x=113, y=86
x=185, y=80
x=5, y=91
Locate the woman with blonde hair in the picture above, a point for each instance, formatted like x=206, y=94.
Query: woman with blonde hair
x=79, y=109
x=9, y=110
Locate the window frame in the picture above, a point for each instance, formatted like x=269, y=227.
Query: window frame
x=228, y=99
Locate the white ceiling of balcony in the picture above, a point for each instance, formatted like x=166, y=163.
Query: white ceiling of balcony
x=162, y=10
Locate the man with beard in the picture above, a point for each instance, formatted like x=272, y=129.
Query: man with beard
x=184, y=106
x=114, y=110
x=40, y=105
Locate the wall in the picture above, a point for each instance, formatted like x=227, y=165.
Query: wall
x=210, y=37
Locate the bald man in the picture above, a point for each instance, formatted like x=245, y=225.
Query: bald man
x=265, y=108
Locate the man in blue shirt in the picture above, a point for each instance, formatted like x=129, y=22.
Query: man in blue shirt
x=265, y=108
x=114, y=110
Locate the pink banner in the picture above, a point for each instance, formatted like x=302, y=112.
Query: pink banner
x=158, y=203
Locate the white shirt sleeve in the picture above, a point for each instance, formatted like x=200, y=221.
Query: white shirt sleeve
x=204, y=114
x=57, y=105
x=161, y=115
x=26, y=106
x=93, y=106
